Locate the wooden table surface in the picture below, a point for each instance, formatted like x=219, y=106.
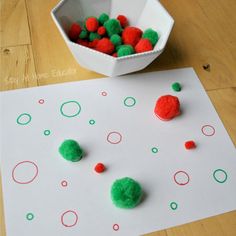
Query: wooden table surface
x=33, y=54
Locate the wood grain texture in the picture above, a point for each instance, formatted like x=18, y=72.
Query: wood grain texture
x=14, y=29
x=204, y=33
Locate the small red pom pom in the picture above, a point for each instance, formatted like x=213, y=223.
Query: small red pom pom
x=83, y=42
x=190, y=144
x=115, y=54
x=105, y=45
x=74, y=31
x=144, y=45
x=94, y=43
x=101, y=30
x=92, y=24
x=123, y=20
x=167, y=107
x=131, y=35
x=99, y=168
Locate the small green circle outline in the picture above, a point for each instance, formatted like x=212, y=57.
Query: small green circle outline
x=30, y=216
x=70, y=116
x=216, y=179
x=132, y=98
x=47, y=132
x=173, y=206
x=23, y=114
x=154, y=150
x=92, y=122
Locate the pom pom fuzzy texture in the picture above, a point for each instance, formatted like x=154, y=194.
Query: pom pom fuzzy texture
x=176, y=87
x=125, y=50
x=167, y=107
x=131, y=35
x=105, y=45
x=71, y=150
x=126, y=193
x=93, y=36
x=83, y=34
x=99, y=168
x=74, y=31
x=144, y=45
x=123, y=20
x=101, y=30
x=92, y=24
x=103, y=18
x=113, y=27
x=116, y=40
x=190, y=145
x=151, y=35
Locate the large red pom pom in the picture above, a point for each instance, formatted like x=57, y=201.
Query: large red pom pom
x=92, y=24
x=167, y=107
x=123, y=20
x=74, y=31
x=105, y=45
x=131, y=35
x=144, y=45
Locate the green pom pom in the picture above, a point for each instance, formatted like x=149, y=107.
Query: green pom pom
x=93, y=36
x=70, y=150
x=103, y=18
x=125, y=50
x=116, y=39
x=113, y=27
x=176, y=87
x=126, y=193
x=151, y=35
x=83, y=34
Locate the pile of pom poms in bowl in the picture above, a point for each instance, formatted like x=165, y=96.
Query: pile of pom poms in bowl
x=113, y=36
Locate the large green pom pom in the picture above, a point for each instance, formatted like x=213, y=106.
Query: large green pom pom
x=71, y=150
x=151, y=35
x=113, y=27
x=125, y=50
x=103, y=18
x=126, y=193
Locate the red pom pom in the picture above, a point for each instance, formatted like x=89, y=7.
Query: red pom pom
x=123, y=20
x=131, y=35
x=115, y=54
x=144, y=45
x=83, y=42
x=190, y=145
x=99, y=168
x=167, y=107
x=92, y=24
x=74, y=31
x=105, y=45
x=94, y=43
x=101, y=30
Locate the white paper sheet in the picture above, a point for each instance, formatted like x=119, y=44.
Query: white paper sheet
x=46, y=195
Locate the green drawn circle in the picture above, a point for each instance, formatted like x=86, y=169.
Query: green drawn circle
x=217, y=178
x=69, y=116
x=30, y=216
x=23, y=123
x=154, y=150
x=92, y=122
x=47, y=132
x=127, y=99
x=173, y=206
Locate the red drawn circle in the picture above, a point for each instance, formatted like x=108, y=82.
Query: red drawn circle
x=116, y=227
x=207, y=133
x=69, y=212
x=183, y=173
x=64, y=183
x=114, y=135
x=30, y=180
x=104, y=93
x=41, y=101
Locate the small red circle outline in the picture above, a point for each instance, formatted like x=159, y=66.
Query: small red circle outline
x=64, y=183
x=116, y=227
x=30, y=181
x=181, y=171
x=104, y=93
x=114, y=132
x=41, y=101
x=76, y=218
x=204, y=126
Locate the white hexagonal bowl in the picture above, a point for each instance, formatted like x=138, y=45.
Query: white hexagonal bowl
x=140, y=13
